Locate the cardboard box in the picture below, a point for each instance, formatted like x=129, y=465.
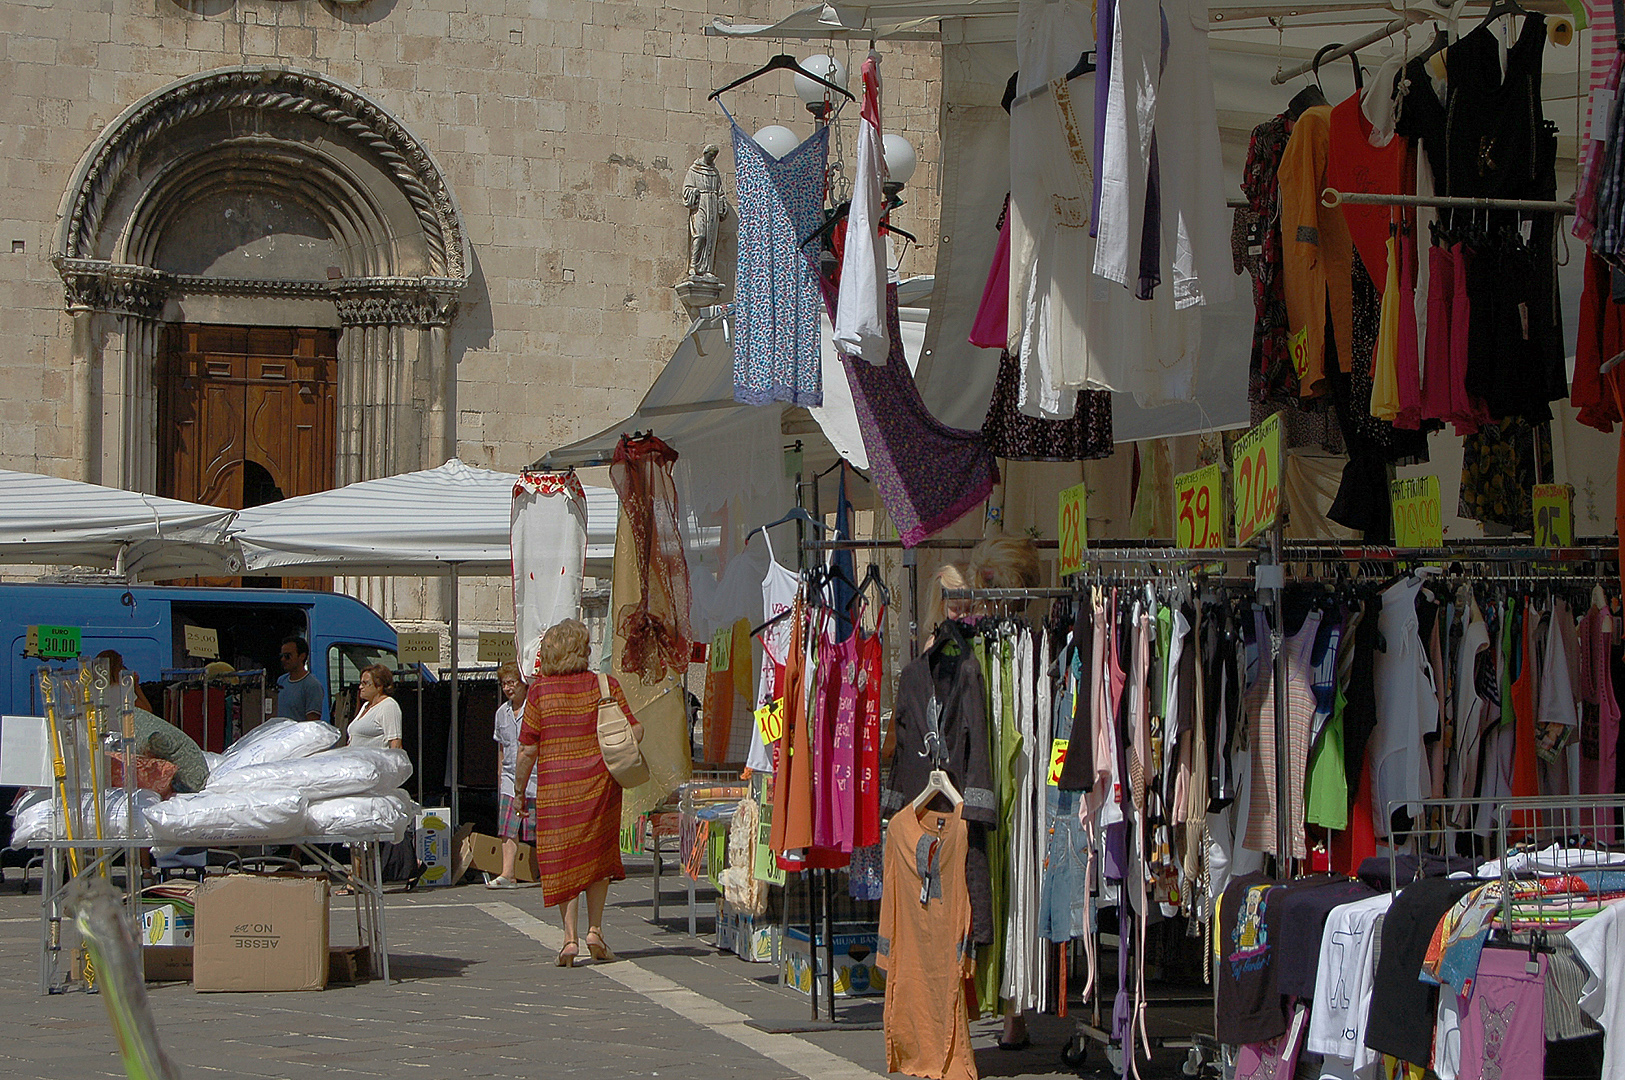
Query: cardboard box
x=167, y=963
x=855, y=972
x=261, y=933
x=165, y=924
x=435, y=849
x=487, y=858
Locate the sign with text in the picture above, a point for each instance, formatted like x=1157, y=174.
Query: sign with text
x=1255, y=479
x=1418, y=522
x=1298, y=345
x=52, y=642
x=1199, y=508
x=202, y=642
x=496, y=647
x=1074, y=528
x=722, y=648
x=1057, y=759
x=770, y=722
x=418, y=648
x=1554, y=515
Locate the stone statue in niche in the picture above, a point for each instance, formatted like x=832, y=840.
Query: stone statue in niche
x=707, y=209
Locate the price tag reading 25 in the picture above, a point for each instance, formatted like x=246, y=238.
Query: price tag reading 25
x=1199, y=508
x=1255, y=479
x=1074, y=528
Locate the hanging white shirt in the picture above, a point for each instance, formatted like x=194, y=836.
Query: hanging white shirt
x=860, y=307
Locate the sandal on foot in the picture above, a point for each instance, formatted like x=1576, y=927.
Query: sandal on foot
x=600, y=951
x=567, y=955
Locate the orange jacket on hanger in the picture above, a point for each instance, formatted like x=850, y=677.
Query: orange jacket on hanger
x=1317, y=253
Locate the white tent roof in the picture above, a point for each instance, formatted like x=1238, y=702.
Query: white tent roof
x=412, y=524
x=48, y=521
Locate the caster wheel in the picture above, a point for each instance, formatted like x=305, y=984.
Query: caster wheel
x=1114, y=1055
x=1193, y=1063
x=1075, y=1052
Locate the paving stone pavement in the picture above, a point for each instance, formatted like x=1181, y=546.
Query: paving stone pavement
x=477, y=995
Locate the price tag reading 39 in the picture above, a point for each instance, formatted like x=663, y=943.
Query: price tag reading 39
x=1418, y=521
x=1255, y=479
x=1074, y=528
x=1199, y=508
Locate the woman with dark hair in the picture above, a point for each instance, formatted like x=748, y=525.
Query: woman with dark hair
x=578, y=806
x=378, y=722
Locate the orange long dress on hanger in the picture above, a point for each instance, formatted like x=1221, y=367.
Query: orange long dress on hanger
x=792, y=787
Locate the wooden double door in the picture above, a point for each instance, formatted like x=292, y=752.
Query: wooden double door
x=247, y=416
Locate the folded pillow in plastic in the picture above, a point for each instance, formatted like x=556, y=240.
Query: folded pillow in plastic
x=276, y=740
x=351, y=770
x=363, y=817
x=31, y=821
x=209, y=816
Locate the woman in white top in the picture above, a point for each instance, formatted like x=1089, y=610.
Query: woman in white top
x=378, y=723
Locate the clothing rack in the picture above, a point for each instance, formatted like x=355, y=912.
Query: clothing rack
x=1410, y=18
x=1332, y=197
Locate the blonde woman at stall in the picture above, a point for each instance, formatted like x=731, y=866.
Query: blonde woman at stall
x=578, y=811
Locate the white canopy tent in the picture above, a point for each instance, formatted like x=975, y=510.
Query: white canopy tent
x=46, y=521
x=417, y=523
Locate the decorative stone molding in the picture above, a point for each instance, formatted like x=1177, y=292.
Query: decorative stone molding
x=396, y=301
x=98, y=285
x=198, y=285
x=266, y=89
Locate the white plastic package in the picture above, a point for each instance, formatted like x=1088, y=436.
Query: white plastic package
x=350, y=770
x=208, y=816
x=363, y=817
x=31, y=822
x=212, y=760
x=276, y=740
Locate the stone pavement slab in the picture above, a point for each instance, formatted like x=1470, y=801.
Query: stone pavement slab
x=478, y=995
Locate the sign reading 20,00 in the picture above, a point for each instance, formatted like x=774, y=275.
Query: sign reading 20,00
x=1255, y=479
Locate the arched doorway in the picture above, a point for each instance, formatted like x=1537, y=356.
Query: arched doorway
x=265, y=235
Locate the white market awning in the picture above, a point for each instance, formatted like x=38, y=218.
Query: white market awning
x=413, y=524
x=45, y=520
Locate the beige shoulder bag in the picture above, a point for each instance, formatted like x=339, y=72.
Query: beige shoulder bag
x=618, y=740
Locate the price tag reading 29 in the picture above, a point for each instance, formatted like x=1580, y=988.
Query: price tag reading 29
x=1255, y=479
x=1074, y=528
x=1199, y=508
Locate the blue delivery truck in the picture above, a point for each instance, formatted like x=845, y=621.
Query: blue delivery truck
x=148, y=624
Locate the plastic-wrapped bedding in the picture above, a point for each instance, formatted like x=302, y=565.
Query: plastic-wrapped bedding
x=275, y=740
x=206, y=817
x=31, y=820
x=212, y=760
x=352, y=770
x=363, y=817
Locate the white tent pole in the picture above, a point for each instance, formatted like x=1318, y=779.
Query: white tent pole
x=452, y=741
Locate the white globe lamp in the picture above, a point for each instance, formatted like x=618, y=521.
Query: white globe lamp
x=810, y=91
x=777, y=140
x=900, y=161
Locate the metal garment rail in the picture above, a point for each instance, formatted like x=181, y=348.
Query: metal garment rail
x=1380, y=34
x=1331, y=197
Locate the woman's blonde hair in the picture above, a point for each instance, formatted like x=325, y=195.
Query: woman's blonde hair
x=509, y=670
x=565, y=649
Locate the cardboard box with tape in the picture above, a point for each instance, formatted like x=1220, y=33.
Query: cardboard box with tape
x=261, y=933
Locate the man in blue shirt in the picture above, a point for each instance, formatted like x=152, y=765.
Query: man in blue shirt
x=299, y=694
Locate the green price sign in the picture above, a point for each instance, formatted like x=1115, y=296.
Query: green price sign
x=53, y=642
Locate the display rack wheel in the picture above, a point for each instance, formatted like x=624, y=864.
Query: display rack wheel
x=1193, y=1062
x=1114, y=1054
x=1074, y=1052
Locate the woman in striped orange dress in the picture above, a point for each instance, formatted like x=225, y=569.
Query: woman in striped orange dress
x=578, y=803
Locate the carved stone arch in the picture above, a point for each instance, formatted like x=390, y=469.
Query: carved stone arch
x=384, y=259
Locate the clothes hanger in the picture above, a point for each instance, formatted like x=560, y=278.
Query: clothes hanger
x=937, y=784
x=795, y=513
x=1501, y=8
x=781, y=62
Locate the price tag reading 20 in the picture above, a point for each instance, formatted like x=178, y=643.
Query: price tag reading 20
x=1074, y=528
x=1199, y=508
x=1255, y=478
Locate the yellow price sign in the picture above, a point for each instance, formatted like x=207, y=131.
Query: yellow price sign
x=1057, y=759
x=1298, y=345
x=770, y=722
x=1554, y=515
x=1199, y=508
x=1418, y=520
x=1255, y=479
x=1074, y=528
x=722, y=648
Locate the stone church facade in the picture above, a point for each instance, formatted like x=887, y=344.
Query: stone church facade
x=258, y=248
